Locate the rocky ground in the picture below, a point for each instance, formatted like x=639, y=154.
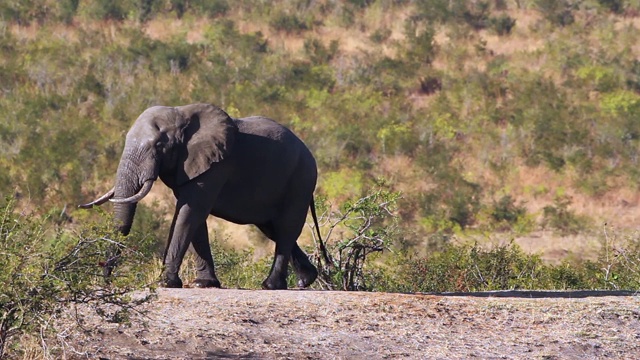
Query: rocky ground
x=306, y=324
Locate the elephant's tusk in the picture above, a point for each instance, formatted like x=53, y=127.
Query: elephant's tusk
x=99, y=201
x=137, y=197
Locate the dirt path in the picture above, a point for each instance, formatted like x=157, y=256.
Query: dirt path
x=248, y=324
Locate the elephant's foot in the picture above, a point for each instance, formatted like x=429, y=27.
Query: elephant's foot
x=307, y=278
x=171, y=283
x=271, y=284
x=206, y=283
x=305, y=270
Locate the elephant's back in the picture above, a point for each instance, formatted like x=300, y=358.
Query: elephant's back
x=265, y=138
x=263, y=141
x=264, y=127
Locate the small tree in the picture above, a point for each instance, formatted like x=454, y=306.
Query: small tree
x=362, y=227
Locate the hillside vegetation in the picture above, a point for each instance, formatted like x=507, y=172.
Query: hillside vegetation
x=494, y=120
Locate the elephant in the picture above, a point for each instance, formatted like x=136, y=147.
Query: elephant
x=248, y=170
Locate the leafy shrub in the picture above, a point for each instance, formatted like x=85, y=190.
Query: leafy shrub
x=600, y=78
x=179, y=6
x=503, y=24
x=506, y=211
x=633, y=76
x=68, y=9
x=476, y=15
x=107, y=9
x=318, y=53
x=421, y=46
x=45, y=269
x=440, y=10
x=173, y=56
x=471, y=268
x=210, y=8
x=557, y=12
x=366, y=226
x=559, y=217
x=567, y=275
x=618, y=265
x=615, y=6
x=453, y=204
x=25, y=12
x=361, y=3
x=381, y=35
x=289, y=23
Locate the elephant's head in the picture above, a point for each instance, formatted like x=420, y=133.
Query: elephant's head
x=177, y=142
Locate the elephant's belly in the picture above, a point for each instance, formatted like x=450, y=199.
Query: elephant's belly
x=244, y=208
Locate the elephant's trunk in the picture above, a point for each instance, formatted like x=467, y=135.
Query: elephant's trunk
x=133, y=181
x=124, y=214
x=127, y=192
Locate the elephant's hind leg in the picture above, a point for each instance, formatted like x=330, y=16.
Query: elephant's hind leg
x=305, y=270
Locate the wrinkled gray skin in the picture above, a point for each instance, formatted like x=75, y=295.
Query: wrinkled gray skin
x=247, y=171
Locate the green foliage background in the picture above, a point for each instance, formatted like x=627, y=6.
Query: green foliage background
x=423, y=83
x=74, y=75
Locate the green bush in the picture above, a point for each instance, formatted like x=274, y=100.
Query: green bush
x=506, y=213
x=618, y=264
x=471, y=268
x=421, y=46
x=174, y=56
x=559, y=217
x=107, y=9
x=557, y=12
x=462, y=268
x=361, y=3
x=453, y=204
x=210, y=8
x=379, y=36
x=45, y=269
x=68, y=9
x=615, y=6
x=367, y=226
x=318, y=53
x=502, y=24
x=289, y=23
x=476, y=15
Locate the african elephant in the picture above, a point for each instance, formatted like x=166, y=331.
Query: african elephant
x=248, y=171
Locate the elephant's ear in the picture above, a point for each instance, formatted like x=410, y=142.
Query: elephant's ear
x=208, y=137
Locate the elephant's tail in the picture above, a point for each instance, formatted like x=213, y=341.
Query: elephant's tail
x=323, y=249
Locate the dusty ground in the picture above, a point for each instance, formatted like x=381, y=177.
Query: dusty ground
x=305, y=324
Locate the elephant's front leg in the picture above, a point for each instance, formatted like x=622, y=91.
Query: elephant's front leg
x=187, y=222
x=206, y=277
